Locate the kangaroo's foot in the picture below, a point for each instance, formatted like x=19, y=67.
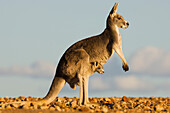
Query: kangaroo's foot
x=92, y=104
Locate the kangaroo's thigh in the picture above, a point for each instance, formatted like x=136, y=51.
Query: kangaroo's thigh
x=78, y=64
x=75, y=59
x=83, y=61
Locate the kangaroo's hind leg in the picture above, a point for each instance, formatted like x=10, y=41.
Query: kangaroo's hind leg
x=82, y=65
x=83, y=70
x=83, y=90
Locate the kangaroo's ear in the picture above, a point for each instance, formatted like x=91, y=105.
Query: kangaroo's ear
x=114, y=10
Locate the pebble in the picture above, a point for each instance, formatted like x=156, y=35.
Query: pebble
x=106, y=99
x=124, y=98
x=42, y=107
x=105, y=109
x=2, y=99
x=105, y=104
x=8, y=106
x=58, y=108
x=15, y=105
x=2, y=106
x=73, y=103
x=84, y=109
x=6, y=98
x=24, y=107
x=22, y=98
x=92, y=100
x=158, y=108
x=52, y=108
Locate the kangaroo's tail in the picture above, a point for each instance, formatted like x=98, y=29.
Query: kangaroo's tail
x=57, y=84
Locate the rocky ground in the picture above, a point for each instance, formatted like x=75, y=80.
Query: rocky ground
x=106, y=104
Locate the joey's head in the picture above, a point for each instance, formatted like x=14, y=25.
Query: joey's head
x=115, y=19
x=97, y=67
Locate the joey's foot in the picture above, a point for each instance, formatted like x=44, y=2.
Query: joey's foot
x=125, y=67
x=101, y=71
x=73, y=86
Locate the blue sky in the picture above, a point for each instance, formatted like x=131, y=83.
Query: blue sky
x=34, y=34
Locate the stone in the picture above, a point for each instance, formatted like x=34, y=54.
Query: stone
x=73, y=103
x=116, y=106
x=2, y=99
x=92, y=100
x=15, y=105
x=105, y=110
x=84, y=109
x=52, y=108
x=158, y=108
x=43, y=107
x=106, y=99
x=25, y=107
x=22, y=98
x=148, y=103
x=8, y=106
x=2, y=106
x=124, y=98
x=57, y=108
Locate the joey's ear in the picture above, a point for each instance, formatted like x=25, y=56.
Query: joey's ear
x=92, y=63
x=96, y=63
x=114, y=10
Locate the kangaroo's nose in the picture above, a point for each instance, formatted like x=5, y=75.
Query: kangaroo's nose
x=127, y=23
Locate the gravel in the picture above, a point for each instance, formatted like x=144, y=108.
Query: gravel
x=104, y=104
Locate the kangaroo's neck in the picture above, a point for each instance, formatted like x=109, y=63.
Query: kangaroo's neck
x=111, y=38
x=113, y=31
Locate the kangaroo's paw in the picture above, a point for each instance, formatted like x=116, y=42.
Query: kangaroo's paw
x=125, y=67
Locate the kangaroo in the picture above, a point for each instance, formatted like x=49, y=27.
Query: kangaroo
x=75, y=62
x=75, y=66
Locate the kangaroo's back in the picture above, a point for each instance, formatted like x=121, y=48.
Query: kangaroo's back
x=95, y=46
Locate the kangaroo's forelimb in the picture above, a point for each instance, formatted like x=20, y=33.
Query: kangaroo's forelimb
x=118, y=50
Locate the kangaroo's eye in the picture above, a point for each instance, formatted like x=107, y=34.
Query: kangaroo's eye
x=118, y=18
